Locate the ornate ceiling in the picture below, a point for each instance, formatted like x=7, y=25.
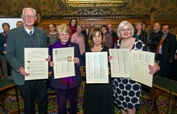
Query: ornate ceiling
x=54, y=9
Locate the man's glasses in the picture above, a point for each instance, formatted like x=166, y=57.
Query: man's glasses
x=29, y=16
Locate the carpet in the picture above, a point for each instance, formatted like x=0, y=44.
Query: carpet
x=162, y=102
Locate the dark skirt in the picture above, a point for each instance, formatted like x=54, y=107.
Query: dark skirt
x=98, y=99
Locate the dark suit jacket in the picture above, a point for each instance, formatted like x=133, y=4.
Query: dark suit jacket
x=114, y=36
x=85, y=39
x=142, y=37
x=168, y=47
x=2, y=39
x=153, y=40
x=17, y=41
x=57, y=83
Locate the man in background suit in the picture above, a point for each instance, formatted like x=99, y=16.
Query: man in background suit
x=113, y=34
x=86, y=33
x=154, y=37
x=165, y=51
x=27, y=36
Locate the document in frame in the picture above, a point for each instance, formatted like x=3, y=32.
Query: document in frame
x=63, y=62
x=139, y=66
x=36, y=64
x=97, y=67
x=120, y=63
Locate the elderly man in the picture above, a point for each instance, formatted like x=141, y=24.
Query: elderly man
x=86, y=33
x=27, y=36
x=113, y=34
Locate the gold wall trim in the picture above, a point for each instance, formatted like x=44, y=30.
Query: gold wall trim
x=94, y=3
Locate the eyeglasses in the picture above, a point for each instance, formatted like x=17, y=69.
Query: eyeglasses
x=165, y=28
x=29, y=16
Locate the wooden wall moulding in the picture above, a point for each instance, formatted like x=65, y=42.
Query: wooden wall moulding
x=64, y=4
x=94, y=3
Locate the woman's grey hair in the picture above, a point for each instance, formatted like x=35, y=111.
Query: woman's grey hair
x=79, y=26
x=23, y=11
x=121, y=25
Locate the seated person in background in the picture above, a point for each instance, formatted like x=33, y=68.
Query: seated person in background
x=108, y=37
x=78, y=38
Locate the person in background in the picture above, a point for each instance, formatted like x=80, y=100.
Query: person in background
x=108, y=37
x=97, y=97
x=3, y=43
x=19, y=23
x=144, y=29
x=113, y=34
x=78, y=38
x=139, y=33
x=165, y=51
x=126, y=92
x=72, y=26
x=27, y=36
x=66, y=87
x=86, y=33
x=154, y=37
x=52, y=37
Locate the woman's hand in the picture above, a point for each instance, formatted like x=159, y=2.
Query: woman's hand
x=153, y=69
x=76, y=60
x=51, y=64
x=109, y=59
x=48, y=59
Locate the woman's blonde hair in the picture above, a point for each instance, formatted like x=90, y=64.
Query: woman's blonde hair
x=92, y=34
x=139, y=23
x=121, y=25
x=63, y=28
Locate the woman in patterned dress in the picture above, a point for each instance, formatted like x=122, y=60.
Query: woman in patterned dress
x=126, y=92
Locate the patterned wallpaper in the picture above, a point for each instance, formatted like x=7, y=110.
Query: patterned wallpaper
x=165, y=9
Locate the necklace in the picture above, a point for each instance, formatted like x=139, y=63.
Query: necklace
x=123, y=46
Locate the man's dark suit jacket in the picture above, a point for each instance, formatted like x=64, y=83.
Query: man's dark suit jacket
x=168, y=47
x=153, y=40
x=114, y=36
x=17, y=41
x=85, y=39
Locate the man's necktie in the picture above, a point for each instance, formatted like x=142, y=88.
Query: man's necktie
x=30, y=33
x=160, y=43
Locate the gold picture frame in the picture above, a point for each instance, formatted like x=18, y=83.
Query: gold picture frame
x=94, y=3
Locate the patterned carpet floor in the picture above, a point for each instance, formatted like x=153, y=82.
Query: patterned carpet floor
x=162, y=102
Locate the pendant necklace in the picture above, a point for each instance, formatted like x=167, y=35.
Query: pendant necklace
x=124, y=46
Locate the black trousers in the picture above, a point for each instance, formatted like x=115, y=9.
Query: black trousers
x=33, y=91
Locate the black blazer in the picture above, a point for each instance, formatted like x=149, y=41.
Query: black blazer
x=142, y=37
x=168, y=47
x=114, y=36
x=153, y=40
x=85, y=39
